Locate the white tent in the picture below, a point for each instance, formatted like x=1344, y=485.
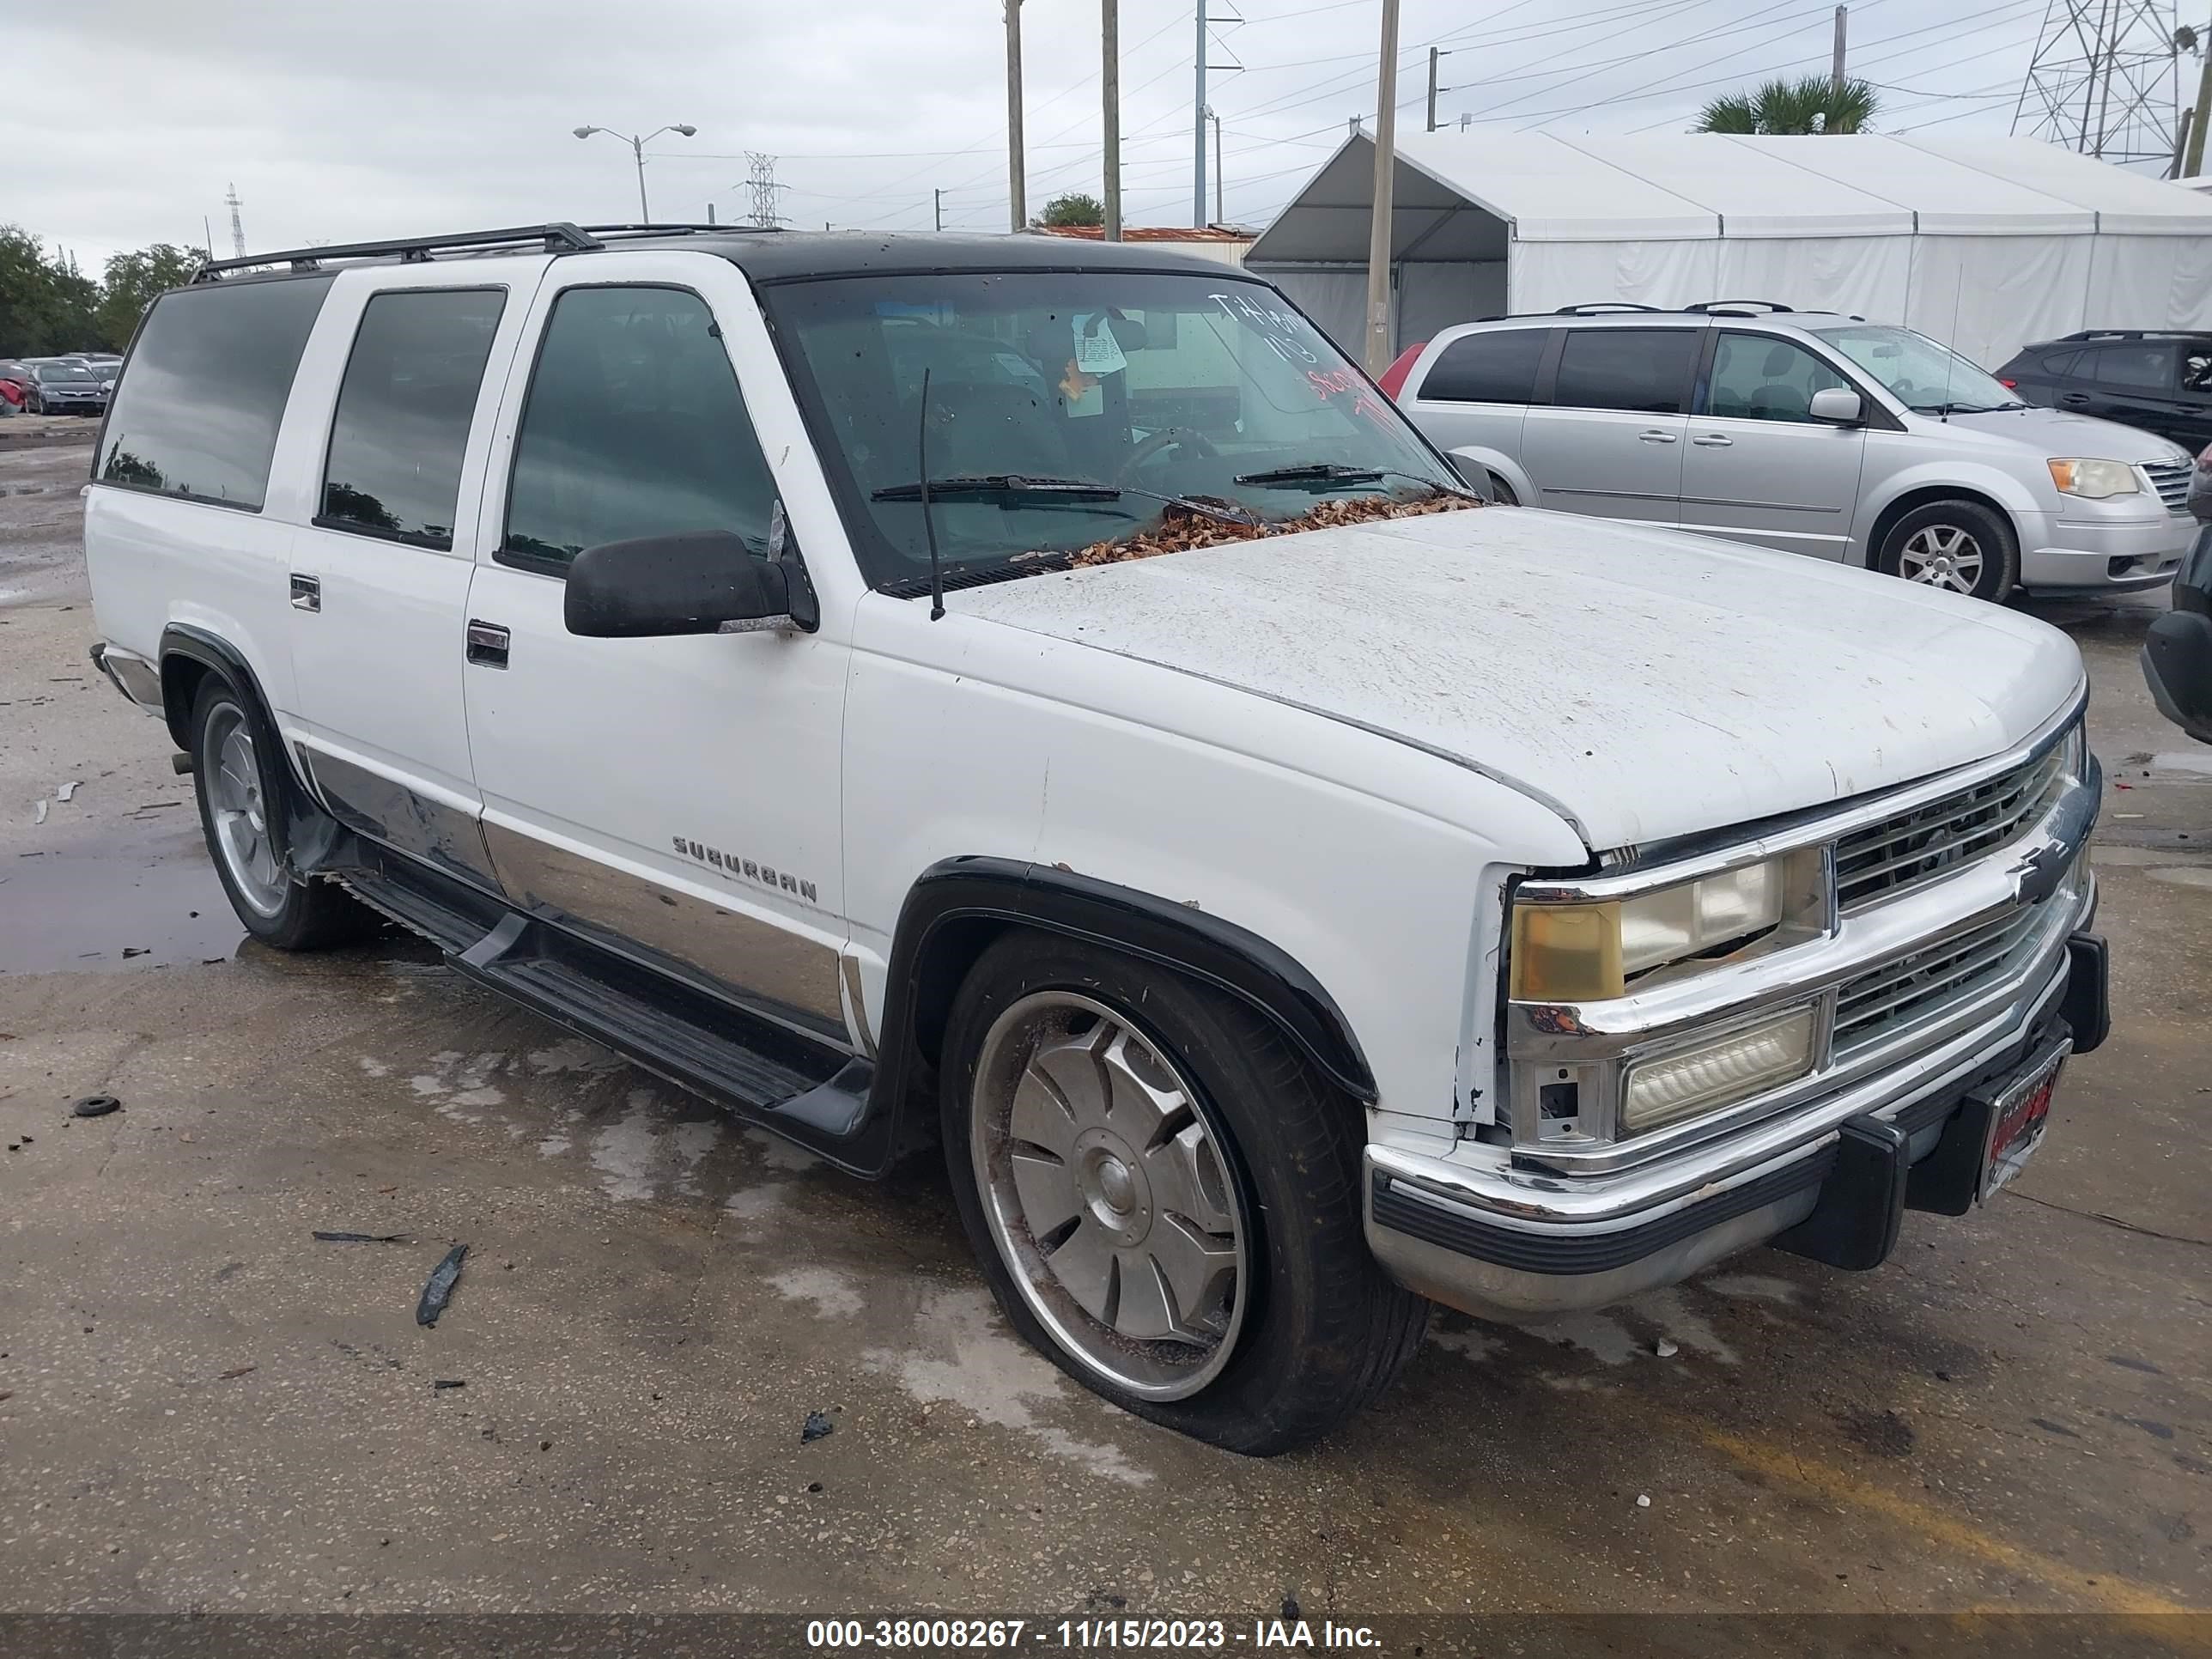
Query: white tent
x=1987, y=243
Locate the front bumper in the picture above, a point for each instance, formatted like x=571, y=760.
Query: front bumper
x=2063, y=554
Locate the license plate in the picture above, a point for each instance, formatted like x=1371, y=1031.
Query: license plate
x=2021, y=1115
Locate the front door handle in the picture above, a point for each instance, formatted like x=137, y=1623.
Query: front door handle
x=487, y=644
x=307, y=592
x=2073, y=399
x=1713, y=440
x=1655, y=437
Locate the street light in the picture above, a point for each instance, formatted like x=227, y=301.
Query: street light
x=637, y=148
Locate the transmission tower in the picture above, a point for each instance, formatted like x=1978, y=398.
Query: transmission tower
x=237, y=226
x=761, y=180
x=2106, y=79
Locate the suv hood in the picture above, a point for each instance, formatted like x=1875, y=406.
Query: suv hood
x=2058, y=432
x=1643, y=684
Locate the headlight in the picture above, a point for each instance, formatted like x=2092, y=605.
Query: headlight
x=1719, y=1072
x=1587, y=952
x=2094, y=481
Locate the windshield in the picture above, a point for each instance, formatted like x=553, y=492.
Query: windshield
x=1157, y=384
x=63, y=372
x=1927, y=378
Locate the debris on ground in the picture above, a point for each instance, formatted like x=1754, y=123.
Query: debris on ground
x=1180, y=530
x=439, y=1290
x=65, y=791
x=1642, y=1502
x=450, y=1383
x=361, y=1238
x=237, y=1371
x=818, y=1424
x=38, y=812
x=1665, y=1349
x=94, y=1106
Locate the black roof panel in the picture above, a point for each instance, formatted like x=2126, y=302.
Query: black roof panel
x=788, y=255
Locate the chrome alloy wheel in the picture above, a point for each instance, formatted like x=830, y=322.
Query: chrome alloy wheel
x=1108, y=1195
x=239, y=812
x=1941, y=555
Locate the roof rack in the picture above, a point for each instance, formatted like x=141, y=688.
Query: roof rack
x=1599, y=307
x=2134, y=334
x=559, y=237
x=1737, y=308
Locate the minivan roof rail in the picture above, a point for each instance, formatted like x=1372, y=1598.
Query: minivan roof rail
x=1599, y=307
x=558, y=237
x=1738, y=307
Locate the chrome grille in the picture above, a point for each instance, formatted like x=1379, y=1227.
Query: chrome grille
x=1918, y=989
x=1875, y=862
x=2171, y=480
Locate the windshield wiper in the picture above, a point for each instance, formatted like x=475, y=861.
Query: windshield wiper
x=974, y=486
x=1328, y=473
x=1965, y=409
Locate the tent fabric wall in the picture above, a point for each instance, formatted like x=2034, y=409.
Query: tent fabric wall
x=2150, y=282
x=1987, y=297
x=1432, y=297
x=1544, y=276
x=1859, y=276
x=1336, y=302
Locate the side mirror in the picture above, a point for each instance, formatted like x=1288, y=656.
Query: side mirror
x=1839, y=404
x=693, y=583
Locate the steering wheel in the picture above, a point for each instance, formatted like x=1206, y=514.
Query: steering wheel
x=1167, y=438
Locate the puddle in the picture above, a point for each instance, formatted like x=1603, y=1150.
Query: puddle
x=77, y=908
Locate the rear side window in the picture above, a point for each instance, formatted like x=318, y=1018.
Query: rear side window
x=2140, y=368
x=404, y=407
x=1646, y=370
x=634, y=426
x=198, y=414
x=1494, y=367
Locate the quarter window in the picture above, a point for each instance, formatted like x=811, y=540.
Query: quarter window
x=1646, y=370
x=1758, y=378
x=198, y=414
x=1498, y=367
x=634, y=426
x=403, y=412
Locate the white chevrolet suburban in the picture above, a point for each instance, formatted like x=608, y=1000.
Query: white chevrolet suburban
x=1043, y=695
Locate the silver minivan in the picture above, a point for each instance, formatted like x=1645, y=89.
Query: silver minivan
x=1806, y=431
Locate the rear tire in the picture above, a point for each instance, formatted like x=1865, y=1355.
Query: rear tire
x=239, y=793
x=1166, y=1197
x=1960, y=546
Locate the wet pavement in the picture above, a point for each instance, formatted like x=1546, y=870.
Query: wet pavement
x=203, y=1407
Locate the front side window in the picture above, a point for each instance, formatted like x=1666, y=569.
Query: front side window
x=1926, y=378
x=1758, y=378
x=634, y=426
x=403, y=413
x=1072, y=409
x=1645, y=370
x=2134, y=368
x=198, y=414
x=1496, y=367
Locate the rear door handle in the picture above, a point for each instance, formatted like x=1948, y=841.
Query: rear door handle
x=487, y=644
x=1655, y=437
x=1713, y=440
x=307, y=592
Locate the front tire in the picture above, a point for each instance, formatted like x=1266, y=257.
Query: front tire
x=1166, y=1197
x=239, y=794
x=1958, y=545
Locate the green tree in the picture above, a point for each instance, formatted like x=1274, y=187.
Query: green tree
x=45, y=305
x=134, y=281
x=1072, y=208
x=1814, y=105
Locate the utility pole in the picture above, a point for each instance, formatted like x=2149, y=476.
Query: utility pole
x=2193, y=158
x=1220, y=215
x=1198, y=151
x=237, y=228
x=1016, y=206
x=937, y=209
x=1379, y=351
x=1836, y=63
x=1110, y=46
x=1435, y=53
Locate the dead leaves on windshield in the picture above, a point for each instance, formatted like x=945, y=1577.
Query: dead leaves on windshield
x=1179, y=530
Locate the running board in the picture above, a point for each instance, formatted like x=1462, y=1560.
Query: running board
x=810, y=1092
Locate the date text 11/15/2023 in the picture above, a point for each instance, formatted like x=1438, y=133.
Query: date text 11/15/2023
x=1166, y=1635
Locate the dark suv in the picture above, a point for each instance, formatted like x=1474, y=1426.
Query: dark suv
x=2156, y=379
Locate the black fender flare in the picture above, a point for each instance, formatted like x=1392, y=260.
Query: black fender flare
x=959, y=903
x=304, y=833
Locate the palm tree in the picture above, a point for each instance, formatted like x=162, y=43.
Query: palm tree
x=1814, y=105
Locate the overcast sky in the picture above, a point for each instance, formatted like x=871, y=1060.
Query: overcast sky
x=126, y=120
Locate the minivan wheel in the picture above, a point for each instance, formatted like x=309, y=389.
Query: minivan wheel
x=238, y=801
x=1960, y=546
x=1166, y=1202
